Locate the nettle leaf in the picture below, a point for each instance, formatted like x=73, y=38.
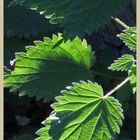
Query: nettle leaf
x=133, y=78
x=76, y=17
x=123, y=63
x=128, y=36
x=83, y=113
x=23, y=22
x=44, y=70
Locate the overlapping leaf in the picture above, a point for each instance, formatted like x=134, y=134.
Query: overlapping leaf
x=82, y=113
x=76, y=17
x=22, y=22
x=128, y=36
x=123, y=63
x=44, y=70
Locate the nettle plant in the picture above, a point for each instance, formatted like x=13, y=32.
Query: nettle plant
x=81, y=111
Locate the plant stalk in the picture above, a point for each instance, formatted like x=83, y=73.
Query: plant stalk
x=121, y=23
x=117, y=87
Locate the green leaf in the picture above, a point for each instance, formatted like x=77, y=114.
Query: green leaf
x=123, y=63
x=83, y=113
x=76, y=17
x=44, y=70
x=128, y=36
x=133, y=78
x=22, y=22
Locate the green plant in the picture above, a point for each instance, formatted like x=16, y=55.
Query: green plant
x=83, y=110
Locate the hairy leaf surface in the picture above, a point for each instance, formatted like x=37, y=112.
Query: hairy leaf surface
x=76, y=17
x=123, y=63
x=44, y=70
x=82, y=113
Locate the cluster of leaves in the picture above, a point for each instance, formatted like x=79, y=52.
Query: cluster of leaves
x=37, y=73
x=127, y=62
x=83, y=110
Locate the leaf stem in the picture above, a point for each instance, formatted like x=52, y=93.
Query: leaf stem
x=117, y=87
x=121, y=23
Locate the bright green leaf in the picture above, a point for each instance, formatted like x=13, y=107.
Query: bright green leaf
x=128, y=36
x=82, y=113
x=123, y=63
x=44, y=70
x=76, y=17
x=133, y=78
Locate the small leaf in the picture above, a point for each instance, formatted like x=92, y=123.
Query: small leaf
x=132, y=75
x=82, y=113
x=128, y=36
x=44, y=70
x=123, y=63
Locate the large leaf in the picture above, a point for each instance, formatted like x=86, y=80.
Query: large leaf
x=82, y=113
x=123, y=63
x=44, y=70
x=22, y=22
x=128, y=36
x=76, y=17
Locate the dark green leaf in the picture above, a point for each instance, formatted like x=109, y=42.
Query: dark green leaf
x=22, y=22
x=76, y=17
